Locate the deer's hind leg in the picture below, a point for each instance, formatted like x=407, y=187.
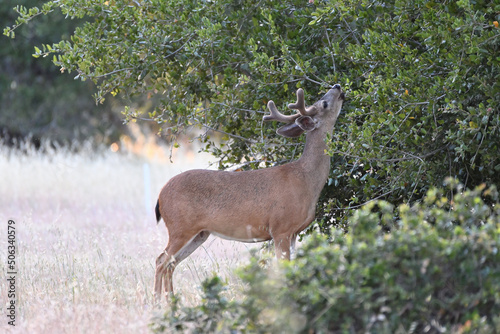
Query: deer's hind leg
x=177, y=250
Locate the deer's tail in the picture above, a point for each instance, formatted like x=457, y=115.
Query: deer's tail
x=157, y=211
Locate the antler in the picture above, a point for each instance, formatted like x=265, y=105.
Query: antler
x=277, y=116
x=300, y=105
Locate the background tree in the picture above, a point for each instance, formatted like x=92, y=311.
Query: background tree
x=423, y=81
x=36, y=99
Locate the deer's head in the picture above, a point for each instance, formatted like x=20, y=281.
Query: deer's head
x=321, y=114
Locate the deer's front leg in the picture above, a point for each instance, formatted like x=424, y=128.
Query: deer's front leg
x=282, y=247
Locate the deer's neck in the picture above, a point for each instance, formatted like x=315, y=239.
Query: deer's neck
x=314, y=160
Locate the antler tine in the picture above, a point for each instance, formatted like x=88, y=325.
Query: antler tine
x=300, y=105
x=277, y=116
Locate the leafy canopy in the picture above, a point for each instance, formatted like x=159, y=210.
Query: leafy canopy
x=422, y=81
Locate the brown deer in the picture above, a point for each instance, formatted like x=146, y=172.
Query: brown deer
x=250, y=206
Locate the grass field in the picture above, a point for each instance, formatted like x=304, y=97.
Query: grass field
x=86, y=242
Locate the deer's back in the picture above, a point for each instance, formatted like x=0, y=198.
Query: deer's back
x=236, y=201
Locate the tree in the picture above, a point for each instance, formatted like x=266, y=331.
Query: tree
x=36, y=98
x=422, y=81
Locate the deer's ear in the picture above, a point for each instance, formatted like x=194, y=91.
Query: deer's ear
x=290, y=130
x=301, y=125
x=306, y=123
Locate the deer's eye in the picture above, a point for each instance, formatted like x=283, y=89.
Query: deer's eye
x=325, y=104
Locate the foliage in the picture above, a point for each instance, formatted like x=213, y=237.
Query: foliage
x=426, y=99
x=210, y=317
x=36, y=99
x=422, y=77
x=438, y=270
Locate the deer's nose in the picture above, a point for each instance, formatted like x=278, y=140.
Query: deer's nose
x=336, y=86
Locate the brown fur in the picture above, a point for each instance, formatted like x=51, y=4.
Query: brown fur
x=272, y=203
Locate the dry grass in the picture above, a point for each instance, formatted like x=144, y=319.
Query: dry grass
x=87, y=244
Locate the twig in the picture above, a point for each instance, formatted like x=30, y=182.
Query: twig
x=412, y=156
x=360, y=205
x=229, y=134
x=331, y=53
x=239, y=109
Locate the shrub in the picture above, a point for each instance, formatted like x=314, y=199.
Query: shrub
x=433, y=267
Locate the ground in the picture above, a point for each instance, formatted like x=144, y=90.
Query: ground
x=86, y=240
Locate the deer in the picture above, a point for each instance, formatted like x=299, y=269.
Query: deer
x=274, y=203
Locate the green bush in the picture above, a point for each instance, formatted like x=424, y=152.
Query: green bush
x=433, y=267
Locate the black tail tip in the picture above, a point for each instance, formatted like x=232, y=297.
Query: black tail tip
x=157, y=211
